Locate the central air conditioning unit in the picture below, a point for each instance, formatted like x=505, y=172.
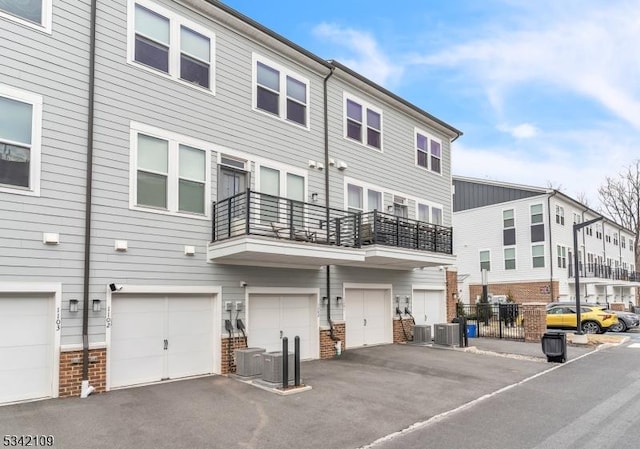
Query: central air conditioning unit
x=447, y=334
x=272, y=367
x=249, y=361
x=421, y=334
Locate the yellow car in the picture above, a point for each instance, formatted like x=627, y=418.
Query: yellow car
x=594, y=320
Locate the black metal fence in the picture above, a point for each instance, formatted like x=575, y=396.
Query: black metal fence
x=494, y=320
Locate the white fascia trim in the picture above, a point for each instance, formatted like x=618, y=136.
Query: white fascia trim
x=175, y=21
x=177, y=139
x=348, y=285
x=281, y=290
x=47, y=14
x=78, y=347
x=439, y=287
x=365, y=105
x=282, y=93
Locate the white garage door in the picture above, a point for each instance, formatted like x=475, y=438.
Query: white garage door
x=429, y=307
x=272, y=317
x=368, y=317
x=156, y=337
x=27, y=335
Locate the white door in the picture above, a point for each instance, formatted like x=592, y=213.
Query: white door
x=272, y=317
x=368, y=317
x=155, y=337
x=428, y=307
x=27, y=331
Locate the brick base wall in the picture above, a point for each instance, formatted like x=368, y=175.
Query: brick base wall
x=71, y=372
x=534, y=317
x=327, y=345
x=452, y=293
x=398, y=334
x=521, y=292
x=228, y=359
x=618, y=306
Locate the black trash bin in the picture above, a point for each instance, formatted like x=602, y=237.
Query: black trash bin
x=554, y=346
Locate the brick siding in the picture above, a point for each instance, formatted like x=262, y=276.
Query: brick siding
x=228, y=359
x=327, y=345
x=452, y=293
x=521, y=292
x=534, y=315
x=71, y=372
x=398, y=334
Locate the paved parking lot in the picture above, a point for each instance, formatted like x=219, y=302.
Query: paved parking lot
x=364, y=395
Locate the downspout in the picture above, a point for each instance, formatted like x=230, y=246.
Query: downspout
x=86, y=389
x=551, y=247
x=327, y=206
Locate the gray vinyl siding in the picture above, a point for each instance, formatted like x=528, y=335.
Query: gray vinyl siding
x=394, y=167
x=470, y=195
x=54, y=66
x=126, y=93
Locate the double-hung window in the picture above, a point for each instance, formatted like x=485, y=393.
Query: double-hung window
x=171, y=172
x=20, y=135
x=361, y=199
x=166, y=43
x=428, y=151
x=537, y=256
x=280, y=91
x=562, y=256
x=362, y=122
x=429, y=213
x=485, y=260
x=509, y=258
x=33, y=13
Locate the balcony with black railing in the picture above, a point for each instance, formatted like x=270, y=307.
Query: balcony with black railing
x=253, y=228
x=594, y=270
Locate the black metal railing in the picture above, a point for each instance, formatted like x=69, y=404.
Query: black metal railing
x=254, y=213
x=385, y=229
x=596, y=270
x=494, y=320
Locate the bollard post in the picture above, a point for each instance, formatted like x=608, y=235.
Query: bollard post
x=285, y=363
x=296, y=361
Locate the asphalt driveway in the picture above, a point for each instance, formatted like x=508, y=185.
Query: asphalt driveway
x=364, y=395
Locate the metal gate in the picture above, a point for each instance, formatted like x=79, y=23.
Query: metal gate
x=493, y=320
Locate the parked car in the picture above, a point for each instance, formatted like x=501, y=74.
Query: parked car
x=594, y=320
x=626, y=320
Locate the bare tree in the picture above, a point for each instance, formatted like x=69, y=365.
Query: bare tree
x=582, y=198
x=620, y=199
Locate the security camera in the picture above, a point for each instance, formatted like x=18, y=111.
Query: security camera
x=115, y=287
x=243, y=284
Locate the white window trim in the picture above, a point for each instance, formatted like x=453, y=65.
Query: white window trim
x=36, y=139
x=514, y=217
x=430, y=138
x=46, y=24
x=282, y=168
x=368, y=186
x=173, y=175
x=282, y=94
x=365, y=105
x=544, y=256
x=566, y=258
x=515, y=257
x=531, y=214
x=175, y=21
x=480, y=251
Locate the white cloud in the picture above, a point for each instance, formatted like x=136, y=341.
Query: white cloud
x=579, y=48
x=522, y=131
x=363, y=53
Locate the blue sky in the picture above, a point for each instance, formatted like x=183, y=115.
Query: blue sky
x=546, y=92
